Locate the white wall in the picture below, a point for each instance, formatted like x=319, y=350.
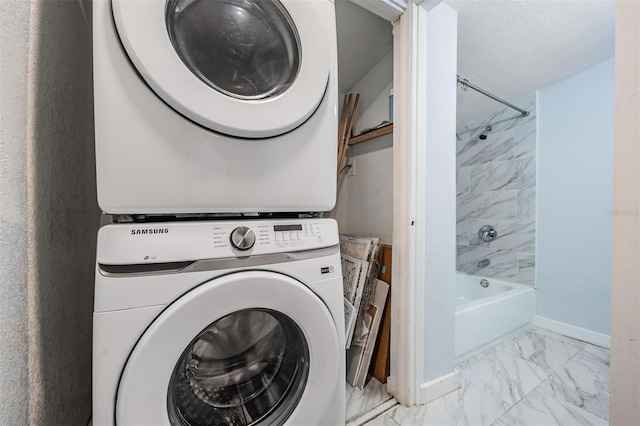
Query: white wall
x=374, y=90
x=625, y=332
x=436, y=209
x=365, y=201
x=49, y=213
x=575, y=181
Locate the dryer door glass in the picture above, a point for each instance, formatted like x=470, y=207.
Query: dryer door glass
x=247, y=49
x=248, y=367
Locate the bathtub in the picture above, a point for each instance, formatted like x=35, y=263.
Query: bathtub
x=485, y=315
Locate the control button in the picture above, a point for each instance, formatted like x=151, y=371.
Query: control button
x=242, y=238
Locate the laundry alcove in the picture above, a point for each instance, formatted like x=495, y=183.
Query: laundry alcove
x=364, y=204
x=396, y=186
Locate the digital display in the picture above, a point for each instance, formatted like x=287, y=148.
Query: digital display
x=284, y=228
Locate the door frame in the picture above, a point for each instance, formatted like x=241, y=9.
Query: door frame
x=419, y=230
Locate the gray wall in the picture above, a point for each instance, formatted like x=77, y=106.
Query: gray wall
x=365, y=201
x=496, y=185
x=49, y=214
x=575, y=181
x=14, y=43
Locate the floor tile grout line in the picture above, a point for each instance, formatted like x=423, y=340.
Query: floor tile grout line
x=553, y=372
x=545, y=331
x=376, y=404
x=577, y=353
x=529, y=393
x=508, y=409
x=523, y=396
x=367, y=395
x=546, y=378
x=560, y=396
x=364, y=414
x=505, y=413
x=496, y=397
x=534, y=389
x=548, y=375
x=386, y=413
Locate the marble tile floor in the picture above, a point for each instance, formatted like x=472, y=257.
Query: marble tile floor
x=360, y=401
x=535, y=378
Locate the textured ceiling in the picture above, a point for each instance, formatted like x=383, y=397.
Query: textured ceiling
x=508, y=47
x=512, y=48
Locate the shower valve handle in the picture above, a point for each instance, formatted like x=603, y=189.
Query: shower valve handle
x=487, y=233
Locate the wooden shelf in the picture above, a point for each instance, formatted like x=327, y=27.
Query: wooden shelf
x=380, y=131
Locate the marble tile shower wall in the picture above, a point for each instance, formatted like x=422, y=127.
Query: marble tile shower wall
x=496, y=185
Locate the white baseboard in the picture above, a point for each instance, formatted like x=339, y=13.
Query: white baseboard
x=439, y=387
x=572, y=331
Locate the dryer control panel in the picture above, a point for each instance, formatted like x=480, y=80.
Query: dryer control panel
x=188, y=241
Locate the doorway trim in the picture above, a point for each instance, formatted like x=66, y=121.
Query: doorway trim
x=422, y=335
x=422, y=345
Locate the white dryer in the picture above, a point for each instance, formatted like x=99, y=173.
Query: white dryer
x=219, y=323
x=206, y=106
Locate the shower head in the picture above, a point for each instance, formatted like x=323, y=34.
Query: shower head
x=484, y=133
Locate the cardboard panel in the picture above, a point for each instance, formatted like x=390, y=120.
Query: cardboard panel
x=381, y=354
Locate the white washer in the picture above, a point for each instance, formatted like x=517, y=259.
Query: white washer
x=205, y=106
x=225, y=322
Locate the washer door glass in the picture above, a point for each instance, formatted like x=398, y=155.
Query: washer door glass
x=243, y=48
x=247, y=367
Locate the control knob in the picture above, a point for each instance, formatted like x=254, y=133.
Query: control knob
x=242, y=238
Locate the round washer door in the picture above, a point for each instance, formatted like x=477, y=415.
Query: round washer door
x=246, y=68
x=244, y=349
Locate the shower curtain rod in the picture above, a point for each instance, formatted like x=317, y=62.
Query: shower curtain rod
x=465, y=83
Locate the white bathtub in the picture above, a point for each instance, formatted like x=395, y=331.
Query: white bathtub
x=484, y=315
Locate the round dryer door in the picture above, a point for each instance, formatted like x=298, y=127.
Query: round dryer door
x=246, y=68
x=245, y=349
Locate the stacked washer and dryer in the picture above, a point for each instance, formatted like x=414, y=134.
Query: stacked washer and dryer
x=218, y=292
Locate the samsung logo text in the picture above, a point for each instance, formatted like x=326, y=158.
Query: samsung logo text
x=150, y=231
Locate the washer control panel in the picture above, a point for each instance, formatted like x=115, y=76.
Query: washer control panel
x=262, y=237
x=259, y=237
x=172, y=242
x=299, y=236
x=296, y=235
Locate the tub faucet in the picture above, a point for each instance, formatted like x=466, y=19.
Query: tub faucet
x=484, y=263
